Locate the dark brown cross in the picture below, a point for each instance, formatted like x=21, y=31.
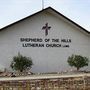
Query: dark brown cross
x=46, y=28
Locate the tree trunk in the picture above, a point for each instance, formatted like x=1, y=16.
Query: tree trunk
x=78, y=68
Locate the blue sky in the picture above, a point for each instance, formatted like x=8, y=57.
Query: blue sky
x=14, y=10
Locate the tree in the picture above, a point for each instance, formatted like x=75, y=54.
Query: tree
x=21, y=63
x=78, y=61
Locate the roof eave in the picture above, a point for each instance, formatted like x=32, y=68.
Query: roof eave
x=77, y=25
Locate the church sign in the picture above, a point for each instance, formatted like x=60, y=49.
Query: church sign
x=40, y=42
x=47, y=42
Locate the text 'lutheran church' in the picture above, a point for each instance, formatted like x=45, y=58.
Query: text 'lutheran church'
x=48, y=37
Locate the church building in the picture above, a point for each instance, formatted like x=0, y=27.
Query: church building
x=48, y=37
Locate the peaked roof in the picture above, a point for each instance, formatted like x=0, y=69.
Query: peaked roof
x=50, y=9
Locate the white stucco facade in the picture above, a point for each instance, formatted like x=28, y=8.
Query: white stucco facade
x=45, y=58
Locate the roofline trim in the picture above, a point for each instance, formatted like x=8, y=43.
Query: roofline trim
x=71, y=21
x=42, y=11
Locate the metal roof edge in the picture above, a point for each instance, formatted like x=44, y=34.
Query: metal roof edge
x=42, y=11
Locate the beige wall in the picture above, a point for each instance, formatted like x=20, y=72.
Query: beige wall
x=45, y=59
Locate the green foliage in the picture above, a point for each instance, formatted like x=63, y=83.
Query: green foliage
x=21, y=63
x=78, y=61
